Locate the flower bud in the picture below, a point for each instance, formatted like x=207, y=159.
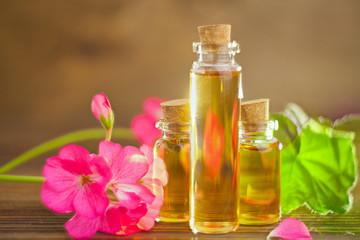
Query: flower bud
x=100, y=106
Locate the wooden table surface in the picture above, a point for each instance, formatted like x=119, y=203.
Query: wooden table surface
x=23, y=216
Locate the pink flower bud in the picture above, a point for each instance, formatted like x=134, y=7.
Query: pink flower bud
x=100, y=106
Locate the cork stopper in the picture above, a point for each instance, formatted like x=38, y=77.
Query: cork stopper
x=255, y=110
x=215, y=34
x=176, y=110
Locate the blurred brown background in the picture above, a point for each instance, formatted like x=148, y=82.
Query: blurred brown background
x=55, y=55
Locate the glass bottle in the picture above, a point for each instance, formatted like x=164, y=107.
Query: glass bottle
x=259, y=174
x=174, y=148
x=215, y=92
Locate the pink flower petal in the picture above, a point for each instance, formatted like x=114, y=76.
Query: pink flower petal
x=100, y=105
x=144, y=129
x=62, y=174
x=91, y=201
x=114, y=219
x=74, y=152
x=131, y=167
x=148, y=152
x=101, y=172
x=54, y=161
x=152, y=107
x=290, y=229
x=80, y=227
x=139, y=189
x=137, y=213
x=148, y=221
x=155, y=186
x=130, y=150
x=129, y=200
x=61, y=202
x=110, y=151
x=119, y=220
x=158, y=170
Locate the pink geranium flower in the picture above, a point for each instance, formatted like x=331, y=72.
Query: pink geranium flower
x=120, y=190
x=290, y=229
x=143, y=125
x=100, y=106
x=138, y=197
x=76, y=181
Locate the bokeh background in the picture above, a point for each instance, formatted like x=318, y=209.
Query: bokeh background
x=55, y=55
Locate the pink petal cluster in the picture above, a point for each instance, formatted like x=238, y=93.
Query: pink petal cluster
x=77, y=181
x=290, y=229
x=143, y=125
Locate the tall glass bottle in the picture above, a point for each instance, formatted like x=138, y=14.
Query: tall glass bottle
x=215, y=92
x=259, y=168
x=174, y=148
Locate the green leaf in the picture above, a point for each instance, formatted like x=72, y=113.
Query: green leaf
x=318, y=169
x=287, y=130
x=325, y=121
x=296, y=114
x=352, y=123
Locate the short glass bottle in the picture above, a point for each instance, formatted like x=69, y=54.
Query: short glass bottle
x=259, y=174
x=174, y=148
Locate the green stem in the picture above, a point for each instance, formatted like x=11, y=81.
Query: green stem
x=86, y=134
x=15, y=178
x=108, y=134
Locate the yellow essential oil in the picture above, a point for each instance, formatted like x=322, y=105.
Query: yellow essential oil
x=259, y=174
x=215, y=81
x=174, y=148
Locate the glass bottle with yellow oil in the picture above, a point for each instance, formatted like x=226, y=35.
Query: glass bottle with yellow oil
x=259, y=166
x=215, y=92
x=174, y=148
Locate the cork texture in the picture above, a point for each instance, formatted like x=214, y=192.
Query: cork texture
x=215, y=34
x=255, y=110
x=176, y=110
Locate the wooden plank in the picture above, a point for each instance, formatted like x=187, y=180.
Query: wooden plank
x=23, y=216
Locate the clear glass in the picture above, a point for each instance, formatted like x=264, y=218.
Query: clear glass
x=215, y=88
x=174, y=148
x=259, y=174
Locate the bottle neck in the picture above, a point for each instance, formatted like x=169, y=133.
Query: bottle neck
x=256, y=131
x=179, y=130
x=216, y=53
x=216, y=58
